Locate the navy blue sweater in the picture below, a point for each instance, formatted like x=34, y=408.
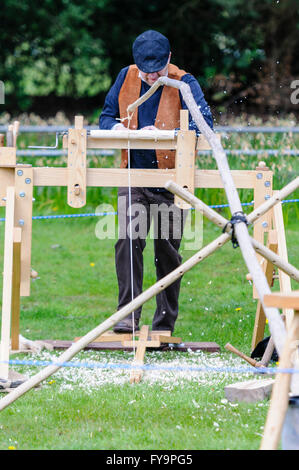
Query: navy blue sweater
x=147, y=114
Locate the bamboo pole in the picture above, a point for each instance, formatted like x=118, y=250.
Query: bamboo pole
x=221, y=221
x=115, y=318
x=276, y=325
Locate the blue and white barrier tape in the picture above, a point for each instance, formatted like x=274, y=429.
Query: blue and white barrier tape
x=100, y=214
x=95, y=365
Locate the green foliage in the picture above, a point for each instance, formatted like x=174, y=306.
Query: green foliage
x=63, y=48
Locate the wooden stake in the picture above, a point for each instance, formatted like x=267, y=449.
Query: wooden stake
x=7, y=283
x=280, y=393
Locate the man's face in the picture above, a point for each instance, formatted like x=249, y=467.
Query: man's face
x=151, y=78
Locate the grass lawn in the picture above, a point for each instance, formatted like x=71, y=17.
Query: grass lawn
x=97, y=408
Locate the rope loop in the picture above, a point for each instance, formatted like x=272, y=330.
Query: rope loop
x=236, y=218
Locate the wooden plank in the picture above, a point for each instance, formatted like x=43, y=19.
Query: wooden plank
x=117, y=346
x=105, y=177
x=212, y=178
x=110, y=336
x=283, y=300
x=76, y=176
x=16, y=281
x=7, y=282
x=23, y=219
x=167, y=339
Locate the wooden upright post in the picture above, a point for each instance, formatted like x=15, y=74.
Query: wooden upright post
x=76, y=195
x=7, y=283
x=16, y=281
x=185, y=158
x=282, y=385
x=262, y=191
x=23, y=219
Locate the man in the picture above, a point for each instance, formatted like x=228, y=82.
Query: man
x=151, y=52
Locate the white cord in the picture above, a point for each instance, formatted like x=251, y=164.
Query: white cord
x=130, y=235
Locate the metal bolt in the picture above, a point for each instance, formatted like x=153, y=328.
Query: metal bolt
x=267, y=197
x=22, y=194
x=28, y=180
x=19, y=172
x=265, y=224
x=259, y=176
x=21, y=222
x=267, y=184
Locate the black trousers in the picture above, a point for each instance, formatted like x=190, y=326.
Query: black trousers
x=168, y=222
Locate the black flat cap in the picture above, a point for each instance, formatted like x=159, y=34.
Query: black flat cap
x=151, y=51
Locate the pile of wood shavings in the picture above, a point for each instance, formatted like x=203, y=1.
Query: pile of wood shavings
x=170, y=369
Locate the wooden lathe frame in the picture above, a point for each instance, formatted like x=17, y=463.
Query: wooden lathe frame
x=16, y=191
